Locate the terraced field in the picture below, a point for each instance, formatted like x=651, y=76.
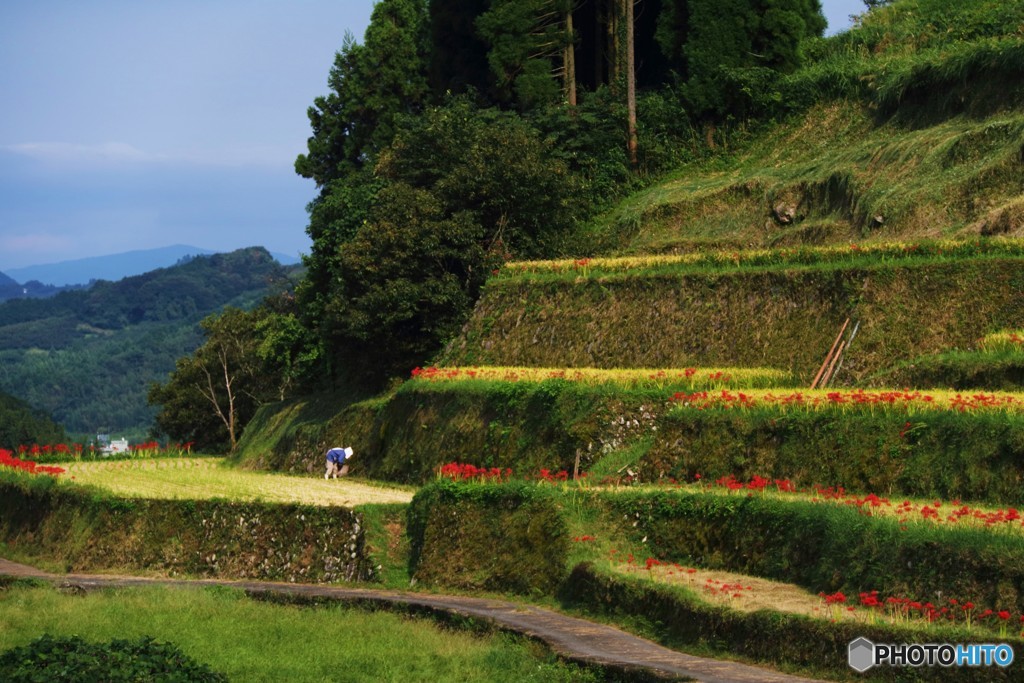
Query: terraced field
x=206, y=478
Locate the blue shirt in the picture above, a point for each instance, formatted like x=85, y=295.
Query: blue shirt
x=336, y=455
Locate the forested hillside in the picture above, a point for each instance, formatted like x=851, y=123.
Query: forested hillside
x=87, y=357
x=458, y=137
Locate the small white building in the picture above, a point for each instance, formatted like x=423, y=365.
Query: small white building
x=118, y=446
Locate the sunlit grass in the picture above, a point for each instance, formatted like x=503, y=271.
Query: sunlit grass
x=627, y=377
x=1008, y=340
x=205, y=478
x=843, y=400
x=253, y=641
x=781, y=257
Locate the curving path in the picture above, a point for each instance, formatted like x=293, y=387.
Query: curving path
x=574, y=639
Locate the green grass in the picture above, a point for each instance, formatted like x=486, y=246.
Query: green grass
x=837, y=168
x=998, y=368
x=914, y=116
x=254, y=641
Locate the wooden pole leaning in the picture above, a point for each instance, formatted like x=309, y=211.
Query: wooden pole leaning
x=828, y=358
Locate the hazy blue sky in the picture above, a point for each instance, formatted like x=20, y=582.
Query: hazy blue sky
x=129, y=125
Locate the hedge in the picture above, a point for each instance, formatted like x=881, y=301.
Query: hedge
x=85, y=529
x=470, y=536
x=975, y=456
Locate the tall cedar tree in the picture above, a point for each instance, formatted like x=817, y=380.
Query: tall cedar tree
x=531, y=48
x=704, y=39
x=372, y=85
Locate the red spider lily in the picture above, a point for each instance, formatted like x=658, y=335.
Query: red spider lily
x=549, y=476
x=835, y=598
x=465, y=472
x=7, y=459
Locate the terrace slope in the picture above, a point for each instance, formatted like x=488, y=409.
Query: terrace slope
x=785, y=315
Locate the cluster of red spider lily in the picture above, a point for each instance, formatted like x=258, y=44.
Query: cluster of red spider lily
x=7, y=459
x=903, y=609
x=466, y=472
x=62, y=452
x=934, y=511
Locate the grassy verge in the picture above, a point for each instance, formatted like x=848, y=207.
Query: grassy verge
x=676, y=379
x=255, y=641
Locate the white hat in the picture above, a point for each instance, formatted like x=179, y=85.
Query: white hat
x=348, y=452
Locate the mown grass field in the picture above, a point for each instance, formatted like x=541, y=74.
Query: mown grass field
x=254, y=641
x=206, y=478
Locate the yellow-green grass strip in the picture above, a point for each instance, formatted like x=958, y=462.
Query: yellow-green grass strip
x=909, y=401
x=631, y=377
x=206, y=478
x=1005, y=340
x=782, y=257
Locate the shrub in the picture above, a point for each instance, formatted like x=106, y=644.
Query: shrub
x=75, y=660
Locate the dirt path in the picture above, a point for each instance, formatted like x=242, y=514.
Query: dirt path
x=574, y=639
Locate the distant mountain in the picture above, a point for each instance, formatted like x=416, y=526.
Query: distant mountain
x=112, y=267
x=87, y=356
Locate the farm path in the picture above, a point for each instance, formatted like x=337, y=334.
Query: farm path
x=574, y=639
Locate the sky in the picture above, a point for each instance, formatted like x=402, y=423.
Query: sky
x=130, y=125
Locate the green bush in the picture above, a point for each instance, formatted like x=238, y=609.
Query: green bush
x=75, y=660
x=507, y=537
